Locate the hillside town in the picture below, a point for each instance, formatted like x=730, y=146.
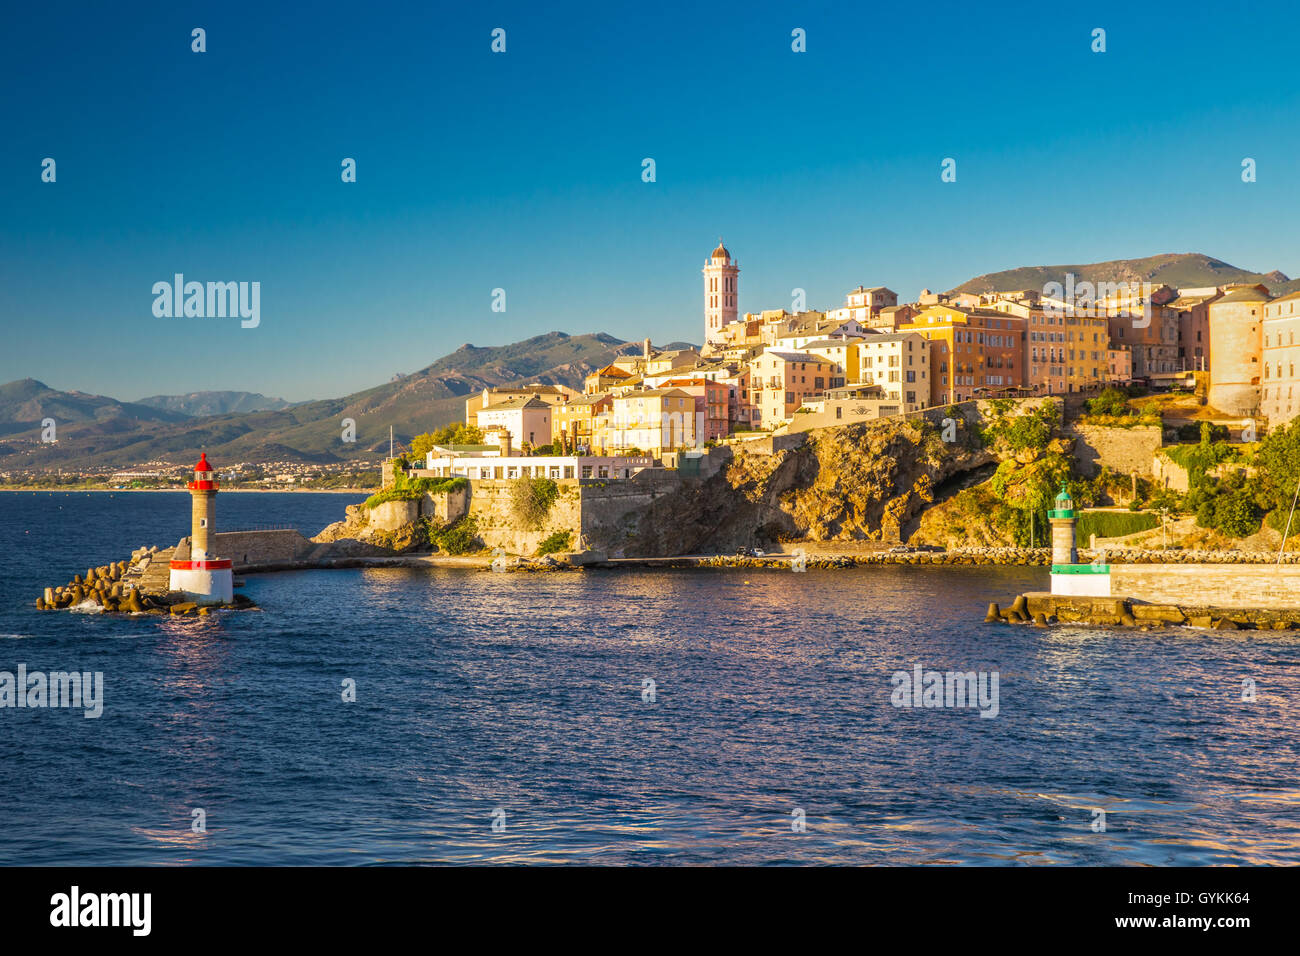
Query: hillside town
x=777, y=372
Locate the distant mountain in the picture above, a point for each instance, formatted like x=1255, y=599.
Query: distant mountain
x=1184, y=269
x=24, y=404
x=202, y=404
x=127, y=433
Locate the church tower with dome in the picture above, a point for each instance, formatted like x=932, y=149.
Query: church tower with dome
x=721, y=281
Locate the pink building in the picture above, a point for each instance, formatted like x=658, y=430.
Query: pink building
x=1120, y=362
x=712, y=405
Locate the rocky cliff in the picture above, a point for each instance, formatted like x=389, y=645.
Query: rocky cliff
x=861, y=482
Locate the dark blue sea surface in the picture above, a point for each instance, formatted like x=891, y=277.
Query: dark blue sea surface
x=518, y=698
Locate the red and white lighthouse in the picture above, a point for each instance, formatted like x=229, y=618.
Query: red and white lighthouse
x=201, y=576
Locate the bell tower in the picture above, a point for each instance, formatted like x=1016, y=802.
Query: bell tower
x=721, y=282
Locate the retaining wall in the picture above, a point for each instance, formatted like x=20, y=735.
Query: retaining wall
x=1222, y=585
x=601, y=514
x=1125, y=450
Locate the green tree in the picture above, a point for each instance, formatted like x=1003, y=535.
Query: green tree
x=1032, y=429
x=458, y=538
x=1111, y=401
x=1236, y=514
x=453, y=433
x=1277, y=464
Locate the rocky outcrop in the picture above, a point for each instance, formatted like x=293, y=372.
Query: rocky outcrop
x=860, y=482
x=397, y=530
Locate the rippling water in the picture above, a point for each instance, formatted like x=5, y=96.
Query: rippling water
x=479, y=692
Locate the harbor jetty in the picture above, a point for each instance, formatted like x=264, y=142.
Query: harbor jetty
x=1232, y=594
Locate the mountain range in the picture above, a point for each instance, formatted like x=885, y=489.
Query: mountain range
x=94, y=431
x=202, y=404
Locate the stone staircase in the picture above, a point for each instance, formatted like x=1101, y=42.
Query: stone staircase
x=156, y=576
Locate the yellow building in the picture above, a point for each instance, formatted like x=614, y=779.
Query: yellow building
x=667, y=362
x=897, y=362
x=781, y=381
x=606, y=378
x=843, y=353
x=653, y=420
x=1065, y=353
x=575, y=423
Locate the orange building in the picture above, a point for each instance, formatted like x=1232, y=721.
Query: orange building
x=606, y=378
x=972, y=351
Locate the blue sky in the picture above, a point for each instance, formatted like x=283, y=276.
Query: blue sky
x=523, y=170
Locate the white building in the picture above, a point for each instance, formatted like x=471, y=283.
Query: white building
x=492, y=465
x=528, y=420
x=863, y=304
x=899, y=362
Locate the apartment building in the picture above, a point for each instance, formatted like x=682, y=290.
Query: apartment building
x=1280, y=357
x=574, y=424
x=780, y=381
x=864, y=305
x=971, y=351
x=843, y=353
x=1142, y=320
x=527, y=421
x=652, y=420
x=550, y=394
x=1064, y=353
x=1193, y=313
x=898, y=363
x=712, y=405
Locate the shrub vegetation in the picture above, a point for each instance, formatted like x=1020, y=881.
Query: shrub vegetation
x=531, y=500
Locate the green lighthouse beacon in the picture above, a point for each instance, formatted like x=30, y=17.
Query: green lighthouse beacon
x=1063, y=518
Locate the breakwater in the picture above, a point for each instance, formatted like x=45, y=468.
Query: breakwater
x=1042, y=609
x=139, y=585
